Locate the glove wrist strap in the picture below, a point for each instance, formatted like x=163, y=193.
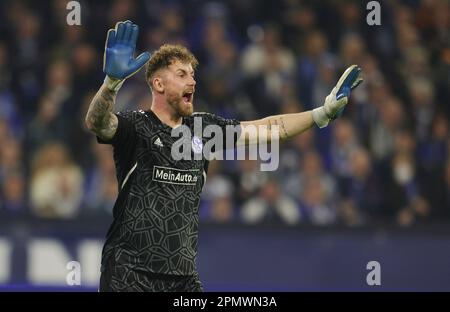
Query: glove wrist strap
x=320, y=117
x=113, y=84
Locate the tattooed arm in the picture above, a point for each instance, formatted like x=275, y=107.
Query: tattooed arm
x=118, y=65
x=275, y=127
x=100, y=118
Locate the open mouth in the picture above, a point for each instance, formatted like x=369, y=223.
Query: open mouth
x=187, y=96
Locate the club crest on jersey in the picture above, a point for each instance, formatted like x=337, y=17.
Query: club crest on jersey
x=197, y=145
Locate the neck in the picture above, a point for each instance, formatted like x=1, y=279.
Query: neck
x=165, y=112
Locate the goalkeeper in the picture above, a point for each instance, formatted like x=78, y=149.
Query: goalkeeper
x=152, y=243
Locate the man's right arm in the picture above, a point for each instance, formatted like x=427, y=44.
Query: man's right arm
x=118, y=65
x=100, y=118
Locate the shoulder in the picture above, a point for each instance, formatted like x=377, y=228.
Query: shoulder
x=131, y=115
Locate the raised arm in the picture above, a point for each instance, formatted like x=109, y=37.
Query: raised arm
x=118, y=65
x=100, y=118
x=289, y=125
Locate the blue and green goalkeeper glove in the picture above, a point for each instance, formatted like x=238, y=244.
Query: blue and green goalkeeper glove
x=338, y=98
x=118, y=61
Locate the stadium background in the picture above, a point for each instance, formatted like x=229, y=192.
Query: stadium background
x=372, y=186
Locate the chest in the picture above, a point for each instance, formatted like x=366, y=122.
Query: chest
x=162, y=158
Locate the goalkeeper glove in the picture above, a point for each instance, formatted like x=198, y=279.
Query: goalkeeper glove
x=338, y=98
x=118, y=61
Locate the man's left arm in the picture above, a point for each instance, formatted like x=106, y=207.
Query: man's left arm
x=285, y=126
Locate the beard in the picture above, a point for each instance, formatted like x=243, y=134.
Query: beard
x=182, y=108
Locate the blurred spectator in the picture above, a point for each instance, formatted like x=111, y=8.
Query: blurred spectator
x=13, y=197
x=352, y=50
x=86, y=68
x=170, y=27
x=9, y=110
x=56, y=183
x=271, y=206
x=433, y=152
x=4, y=130
x=422, y=97
x=366, y=98
x=314, y=206
x=101, y=187
x=325, y=81
x=360, y=195
x=404, y=186
x=28, y=61
x=46, y=126
x=221, y=77
x=314, y=52
x=49, y=123
x=78, y=135
x=344, y=143
x=437, y=192
x=217, y=196
x=391, y=120
x=122, y=10
x=300, y=20
x=222, y=82
x=5, y=69
x=248, y=179
x=311, y=169
x=222, y=210
x=267, y=65
x=442, y=79
x=293, y=151
x=10, y=157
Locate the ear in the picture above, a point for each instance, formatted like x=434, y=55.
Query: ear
x=158, y=84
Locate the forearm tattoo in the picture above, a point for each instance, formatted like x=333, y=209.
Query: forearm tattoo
x=98, y=115
x=284, y=133
x=280, y=125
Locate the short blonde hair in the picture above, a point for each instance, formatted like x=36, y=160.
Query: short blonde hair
x=166, y=55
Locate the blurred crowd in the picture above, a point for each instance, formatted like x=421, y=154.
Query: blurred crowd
x=386, y=159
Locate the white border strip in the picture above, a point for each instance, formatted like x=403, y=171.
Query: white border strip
x=128, y=175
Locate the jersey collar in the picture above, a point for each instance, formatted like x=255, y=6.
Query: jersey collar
x=157, y=121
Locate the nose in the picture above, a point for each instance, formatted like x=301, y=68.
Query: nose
x=192, y=81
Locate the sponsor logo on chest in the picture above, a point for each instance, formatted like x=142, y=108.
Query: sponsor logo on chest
x=175, y=176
